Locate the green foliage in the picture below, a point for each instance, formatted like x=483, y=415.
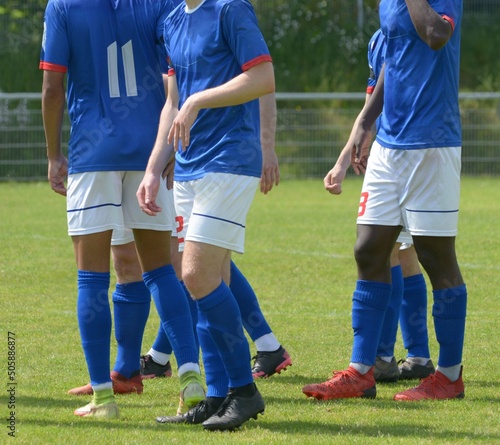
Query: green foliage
x=299, y=260
x=316, y=46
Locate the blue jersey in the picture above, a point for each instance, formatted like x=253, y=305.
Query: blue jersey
x=207, y=47
x=421, y=85
x=376, y=56
x=115, y=89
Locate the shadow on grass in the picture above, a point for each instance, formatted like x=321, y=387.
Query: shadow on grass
x=294, y=379
x=410, y=431
x=334, y=425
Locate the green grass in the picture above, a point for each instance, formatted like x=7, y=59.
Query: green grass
x=299, y=260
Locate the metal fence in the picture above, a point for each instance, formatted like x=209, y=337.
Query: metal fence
x=312, y=130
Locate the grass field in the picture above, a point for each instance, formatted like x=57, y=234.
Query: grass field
x=299, y=260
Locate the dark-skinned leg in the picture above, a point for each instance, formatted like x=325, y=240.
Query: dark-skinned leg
x=437, y=256
x=369, y=304
x=373, y=290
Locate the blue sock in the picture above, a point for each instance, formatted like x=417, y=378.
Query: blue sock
x=131, y=303
x=161, y=343
x=193, y=308
x=449, y=310
x=253, y=319
x=369, y=303
x=173, y=309
x=391, y=319
x=94, y=321
x=226, y=329
x=413, y=317
x=215, y=373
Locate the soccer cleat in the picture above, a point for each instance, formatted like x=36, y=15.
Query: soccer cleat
x=85, y=390
x=268, y=363
x=121, y=385
x=409, y=370
x=201, y=412
x=343, y=385
x=150, y=369
x=192, y=391
x=235, y=411
x=385, y=371
x=105, y=410
x=434, y=387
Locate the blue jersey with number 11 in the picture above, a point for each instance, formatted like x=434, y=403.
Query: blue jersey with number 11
x=115, y=90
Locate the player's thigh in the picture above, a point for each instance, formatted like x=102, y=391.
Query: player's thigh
x=379, y=202
x=135, y=218
x=220, y=205
x=94, y=202
x=432, y=197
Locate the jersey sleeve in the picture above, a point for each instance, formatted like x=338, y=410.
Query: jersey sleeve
x=241, y=31
x=450, y=10
x=54, y=55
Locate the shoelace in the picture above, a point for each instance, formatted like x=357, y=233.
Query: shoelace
x=428, y=385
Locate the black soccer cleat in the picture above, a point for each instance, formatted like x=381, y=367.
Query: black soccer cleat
x=150, y=369
x=201, y=412
x=235, y=411
x=268, y=363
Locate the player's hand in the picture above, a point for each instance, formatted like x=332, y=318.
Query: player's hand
x=180, y=131
x=270, y=171
x=147, y=193
x=361, y=150
x=333, y=180
x=57, y=173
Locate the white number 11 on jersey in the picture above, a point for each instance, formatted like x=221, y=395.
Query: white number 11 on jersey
x=128, y=68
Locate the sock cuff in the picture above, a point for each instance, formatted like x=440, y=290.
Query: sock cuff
x=414, y=281
x=135, y=292
x=396, y=269
x=93, y=280
x=450, y=303
x=153, y=275
x=372, y=293
x=215, y=298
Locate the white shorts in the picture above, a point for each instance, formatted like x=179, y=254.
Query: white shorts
x=213, y=209
x=405, y=240
x=416, y=189
x=100, y=201
x=122, y=236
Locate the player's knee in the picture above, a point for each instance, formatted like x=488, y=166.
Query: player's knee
x=127, y=270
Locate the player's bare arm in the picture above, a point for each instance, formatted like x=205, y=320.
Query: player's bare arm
x=334, y=178
x=270, y=165
x=249, y=85
x=371, y=111
x=53, y=102
x=432, y=28
x=161, y=155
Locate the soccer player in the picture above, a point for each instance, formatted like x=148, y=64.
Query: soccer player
x=115, y=97
x=220, y=66
x=412, y=181
x=408, y=301
x=271, y=356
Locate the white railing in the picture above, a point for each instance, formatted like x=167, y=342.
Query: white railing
x=312, y=129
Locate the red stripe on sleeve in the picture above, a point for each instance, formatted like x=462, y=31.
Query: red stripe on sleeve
x=256, y=61
x=450, y=21
x=369, y=90
x=171, y=72
x=52, y=67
